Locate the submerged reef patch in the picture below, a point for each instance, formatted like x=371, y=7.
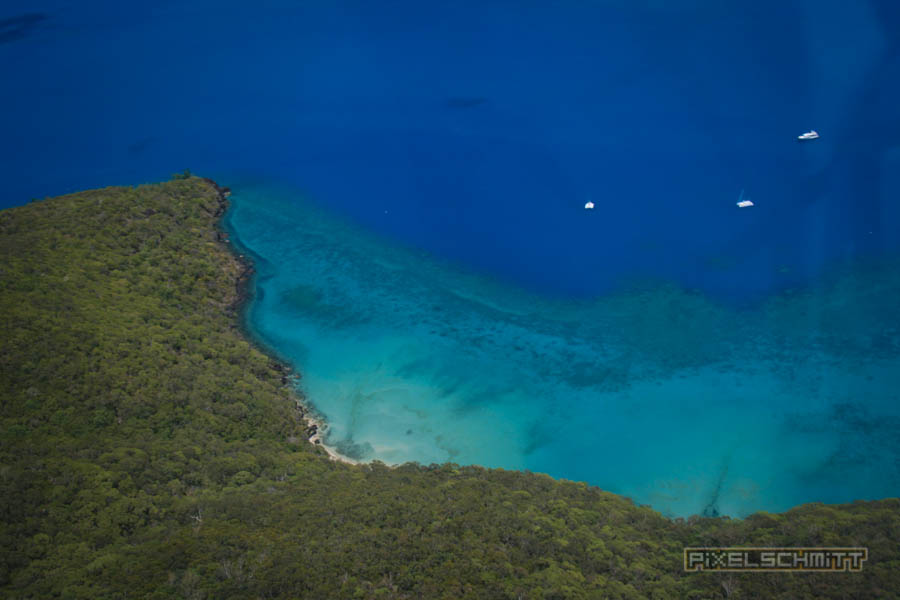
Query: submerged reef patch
x=662, y=394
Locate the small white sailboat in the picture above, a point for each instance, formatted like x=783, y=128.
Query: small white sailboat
x=589, y=206
x=809, y=135
x=743, y=203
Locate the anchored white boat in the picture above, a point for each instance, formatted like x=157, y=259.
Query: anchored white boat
x=809, y=135
x=743, y=203
x=589, y=206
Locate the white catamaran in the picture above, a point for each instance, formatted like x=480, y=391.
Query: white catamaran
x=743, y=203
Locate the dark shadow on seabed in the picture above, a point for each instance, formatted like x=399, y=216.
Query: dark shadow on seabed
x=16, y=28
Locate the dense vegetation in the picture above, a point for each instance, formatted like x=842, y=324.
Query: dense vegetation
x=148, y=450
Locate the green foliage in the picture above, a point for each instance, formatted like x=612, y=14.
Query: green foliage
x=148, y=450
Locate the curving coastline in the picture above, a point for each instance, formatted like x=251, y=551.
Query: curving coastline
x=316, y=425
x=150, y=450
x=412, y=361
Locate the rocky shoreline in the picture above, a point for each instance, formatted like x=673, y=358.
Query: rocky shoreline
x=242, y=293
x=314, y=427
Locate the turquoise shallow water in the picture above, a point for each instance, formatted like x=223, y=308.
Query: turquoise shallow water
x=475, y=132
x=658, y=393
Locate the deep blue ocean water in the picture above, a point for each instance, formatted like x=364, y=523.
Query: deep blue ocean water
x=410, y=179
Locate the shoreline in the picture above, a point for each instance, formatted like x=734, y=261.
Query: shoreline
x=315, y=425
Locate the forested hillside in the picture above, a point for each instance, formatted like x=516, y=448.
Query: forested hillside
x=148, y=450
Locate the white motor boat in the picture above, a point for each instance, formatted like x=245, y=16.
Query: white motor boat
x=589, y=206
x=809, y=135
x=743, y=203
